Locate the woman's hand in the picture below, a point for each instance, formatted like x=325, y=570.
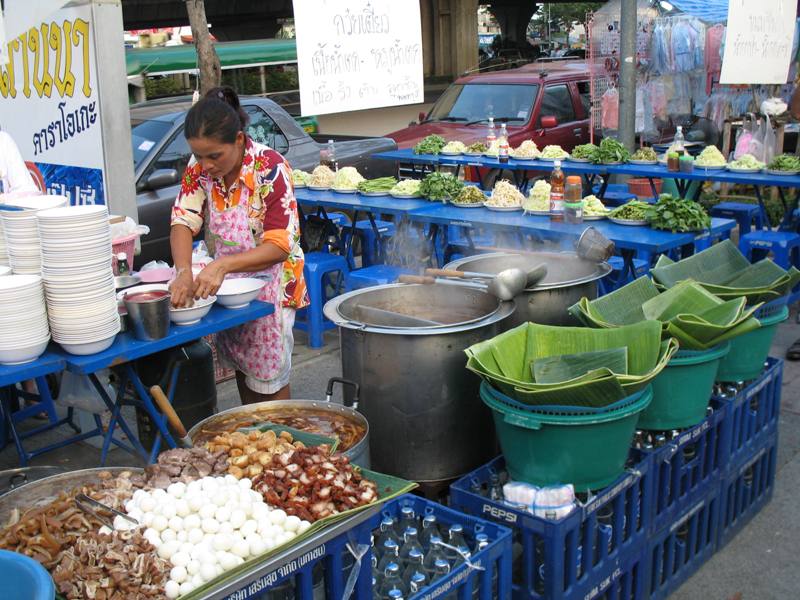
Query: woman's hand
x=209, y=279
x=182, y=289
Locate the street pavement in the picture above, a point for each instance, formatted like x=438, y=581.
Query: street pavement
x=760, y=563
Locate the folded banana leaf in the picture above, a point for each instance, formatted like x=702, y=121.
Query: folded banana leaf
x=686, y=297
x=715, y=265
x=563, y=368
x=621, y=307
x=594, y=394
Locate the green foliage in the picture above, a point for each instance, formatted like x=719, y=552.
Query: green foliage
x=610, y=151
x=565, y=14
x=440, y=186
x=158, y=87
x=677, y=215
x=431, y=144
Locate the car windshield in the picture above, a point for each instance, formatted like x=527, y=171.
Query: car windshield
x=145, y=135
x=475, y=102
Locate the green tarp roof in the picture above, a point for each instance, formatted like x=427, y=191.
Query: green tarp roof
x=179, y=59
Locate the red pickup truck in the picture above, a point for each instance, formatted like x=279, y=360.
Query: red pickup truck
x=546, y=102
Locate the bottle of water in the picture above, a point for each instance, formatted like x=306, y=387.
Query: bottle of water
x=679, y=143
x=414, y=565
x=407, y=519
x=495, y=489
x=386, y=532
x=441, y=568
x=491, y=136
x=391, y=581
x=418, y=581
x=481, y=541
x=457, y=539
x=395, y=595
x=430, y=528
x=391, y=554
x=435, y=553
x=334, y=165
x=410, y=544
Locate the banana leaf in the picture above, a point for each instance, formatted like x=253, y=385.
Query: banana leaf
x=594, y=394
x=620, y=307
x=705, y=340
x=716, y=265
x=687, y=297
x=559, y=369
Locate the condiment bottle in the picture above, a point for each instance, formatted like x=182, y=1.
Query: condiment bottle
x=490, y=135
x=328, y=157
x=679, y=143
x=686, y=164
x=573, y=200
x=122, y=264
x=557, y=193
x=502, y=144
x=673, y=162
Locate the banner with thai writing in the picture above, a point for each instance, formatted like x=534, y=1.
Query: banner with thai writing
x=358, y=54
x=49, y=103
x=758, y=43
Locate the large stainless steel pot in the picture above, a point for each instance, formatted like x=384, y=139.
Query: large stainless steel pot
x=568, y=278
x=426, y=419
x=245, y=416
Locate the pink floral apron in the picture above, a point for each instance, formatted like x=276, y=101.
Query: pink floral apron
x=255, y=348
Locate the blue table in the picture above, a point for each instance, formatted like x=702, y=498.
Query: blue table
x=125, y=349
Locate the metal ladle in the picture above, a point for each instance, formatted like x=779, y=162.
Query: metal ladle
x=505, y=285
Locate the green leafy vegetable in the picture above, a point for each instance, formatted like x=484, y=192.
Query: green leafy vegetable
x=647, y=154
x=785, y=162
x=440, y=186
x=610, y=151
x=677, y=215
x=469, y=195
x=381, y=184
x=431, y=144
x=584, y=151
x=477, y=148
x=635, y=210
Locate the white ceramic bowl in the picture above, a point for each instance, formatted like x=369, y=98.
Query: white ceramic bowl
x=23, y=354
x=82, y=349
x=193, y=314
x=238, y=293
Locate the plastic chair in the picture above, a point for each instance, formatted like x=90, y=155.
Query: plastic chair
x=319, y=267
x=374, y=275
x=371, y=248
x=746, y=215
x=615, y=279
x=783, y=245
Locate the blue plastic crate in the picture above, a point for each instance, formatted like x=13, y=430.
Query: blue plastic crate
x=490, y=580
x=568, y=558
x=688, y=466
x=753, y=413
x=677, y=551
x=747, y=489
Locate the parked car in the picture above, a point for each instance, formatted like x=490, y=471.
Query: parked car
x=161, y=153
x=546, y=102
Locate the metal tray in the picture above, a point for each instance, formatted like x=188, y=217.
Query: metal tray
x=502, y=208
x=473, y=205
x=578, y=160
x=594, y=217
x=319, y=188
x=782, y=173
x=637, y=223
x=374, y=194
x=634, y=161
x=351, y=191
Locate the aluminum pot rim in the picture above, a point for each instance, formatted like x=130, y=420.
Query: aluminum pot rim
x=291, y=403
x=603, y=269
x=331, y=310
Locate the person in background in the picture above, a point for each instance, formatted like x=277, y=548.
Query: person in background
x=14, y=174
x=242, y=192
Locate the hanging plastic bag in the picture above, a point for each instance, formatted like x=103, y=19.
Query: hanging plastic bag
x=78, y=391
x=756, y=147
x=744, y=138
x=770, y=140
x=609, y=105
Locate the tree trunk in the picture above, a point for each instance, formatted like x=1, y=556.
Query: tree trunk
x=207, y=59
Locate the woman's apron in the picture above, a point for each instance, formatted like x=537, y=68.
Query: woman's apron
x=255, y=348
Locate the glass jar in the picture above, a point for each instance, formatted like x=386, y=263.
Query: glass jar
x=573, y=200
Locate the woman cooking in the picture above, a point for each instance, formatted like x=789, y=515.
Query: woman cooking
x=242, y=191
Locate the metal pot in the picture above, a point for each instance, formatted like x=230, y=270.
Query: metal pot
x=428, y=423
x=245, y=416
x=568, y=279
x=11, y=479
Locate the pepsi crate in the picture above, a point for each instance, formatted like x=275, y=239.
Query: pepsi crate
x=747, y=489
x=753, y=412
x=677, y=551
x=487, y=576
x=687, y=466
x=577, y=556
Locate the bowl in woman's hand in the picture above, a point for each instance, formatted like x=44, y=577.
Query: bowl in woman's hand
x=238, y=293
x=189, y=315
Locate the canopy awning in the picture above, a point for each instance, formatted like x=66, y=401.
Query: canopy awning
x=168, y=60
x=711, y=11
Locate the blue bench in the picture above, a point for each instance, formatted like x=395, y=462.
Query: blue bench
x=374, y=275
x=783, y=245
x=746, y=215
x=321, y=269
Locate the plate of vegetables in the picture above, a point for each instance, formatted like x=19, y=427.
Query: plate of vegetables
x=785, y=164
x=377, y=187
x=747, y=163
x=644, y=156
x=408, y=188
x=583, y=153
x=454, y=148
x=477, y=149
x=431, y=144
x=553, y=152
x=505, y=197
x=440, y=187
x=594, y=209
x=710, y=159
x=469, y=197
x=610, y=152
x=632, y=213
x=677, y=215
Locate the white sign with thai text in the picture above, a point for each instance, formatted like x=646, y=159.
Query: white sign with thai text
x=758, y=43
x=358, y=54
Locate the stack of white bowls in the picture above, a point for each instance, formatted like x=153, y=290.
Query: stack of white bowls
x=7, y=199
x=24, y=333
x=20, y=232
x=78, y=280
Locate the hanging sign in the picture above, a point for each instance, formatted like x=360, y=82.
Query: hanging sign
x=758, y=43
x=358, y=54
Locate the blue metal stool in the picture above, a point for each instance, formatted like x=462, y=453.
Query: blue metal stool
x=784, y=246
x=374, y=275
x=746, y=215
x=617, y=278
x=371, y=250
x=318, y=269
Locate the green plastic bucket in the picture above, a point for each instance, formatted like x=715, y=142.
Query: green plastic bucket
x=681, y=392
x=587, y=450
x=748, y=352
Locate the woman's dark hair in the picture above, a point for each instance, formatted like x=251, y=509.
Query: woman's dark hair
x=218, y=115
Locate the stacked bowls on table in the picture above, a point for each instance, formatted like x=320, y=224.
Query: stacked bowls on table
x=24, y=333
x=20, y=233
x=78, y=279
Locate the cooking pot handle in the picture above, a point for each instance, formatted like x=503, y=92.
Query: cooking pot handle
x=525, y=421
x=13, y=483
x=344, y=382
